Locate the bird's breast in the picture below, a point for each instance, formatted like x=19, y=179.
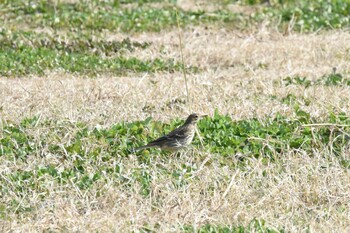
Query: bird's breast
x=189, y=138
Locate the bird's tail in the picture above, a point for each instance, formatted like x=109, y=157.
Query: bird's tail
x=142, y=147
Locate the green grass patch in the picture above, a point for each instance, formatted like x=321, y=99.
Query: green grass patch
x=79, y=50
x=28, y=60
x=270, y=138
x=303, y=16
x=332, y=79
x=308, y=16
x=93, y=156
x=97, y=15
x=69, y=42
x=23, y=53
x=254, y=226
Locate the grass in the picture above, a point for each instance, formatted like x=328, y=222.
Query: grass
x=85, y=159
x=275, y=154
x=107, y=15
x=75, y=45
x=110, y=15
x=24, y=53
x=333, y=79
x=69, y=42
x=38, y=61
x=303, y=16
x=268, y=139
x=314, y=15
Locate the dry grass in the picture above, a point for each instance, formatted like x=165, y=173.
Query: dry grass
x=296, y=192
x=240, y=74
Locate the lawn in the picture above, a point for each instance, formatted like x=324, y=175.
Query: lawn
x=82, y=83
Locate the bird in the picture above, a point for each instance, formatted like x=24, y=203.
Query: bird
x=177, y=139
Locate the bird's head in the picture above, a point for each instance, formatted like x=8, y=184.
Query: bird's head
x=193, y=118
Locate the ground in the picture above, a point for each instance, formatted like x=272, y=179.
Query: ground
x=70, y=174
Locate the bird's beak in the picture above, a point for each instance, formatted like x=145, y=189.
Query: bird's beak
x=202, y=116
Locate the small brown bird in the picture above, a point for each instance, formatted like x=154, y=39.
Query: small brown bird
x=178, y=138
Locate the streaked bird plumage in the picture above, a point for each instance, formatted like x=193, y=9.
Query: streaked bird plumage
x=178, y=138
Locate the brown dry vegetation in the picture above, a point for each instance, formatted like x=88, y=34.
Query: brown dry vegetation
x=239, y=75
x=296, y=192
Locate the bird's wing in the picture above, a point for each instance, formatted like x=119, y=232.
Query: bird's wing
x=161, y=139
x=179, y=133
